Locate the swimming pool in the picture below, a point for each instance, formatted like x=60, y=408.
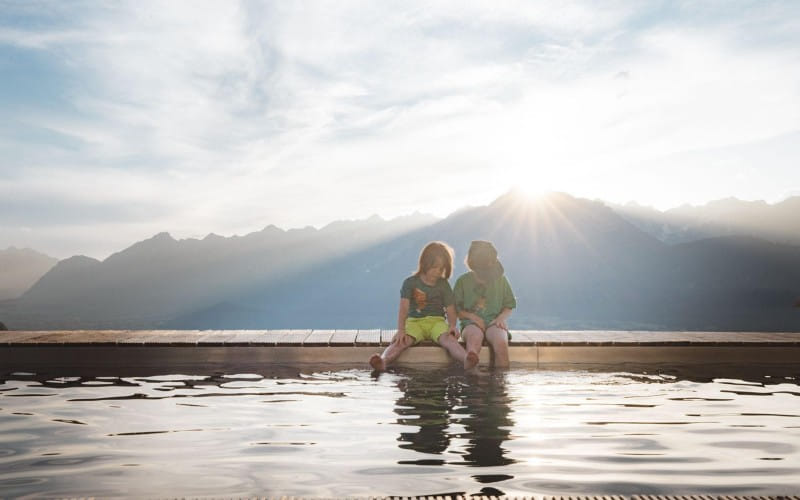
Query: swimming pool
x=323, y=432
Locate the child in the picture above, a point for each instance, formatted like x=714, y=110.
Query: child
x=424, y=298
x=484, y=300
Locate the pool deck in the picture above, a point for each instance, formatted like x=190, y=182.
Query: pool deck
x=98, y=349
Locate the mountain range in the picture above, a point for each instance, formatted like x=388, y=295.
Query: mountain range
x=573, y=264
x=728, y=217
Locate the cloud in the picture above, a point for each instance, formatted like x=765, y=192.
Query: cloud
x=225, y=117
x=48, y=212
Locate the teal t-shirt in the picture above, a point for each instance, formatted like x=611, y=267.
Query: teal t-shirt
x=426, y=300
x=484, y=299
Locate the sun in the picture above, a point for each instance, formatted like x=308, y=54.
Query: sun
x=533, y=183
x=534, y=192
x=531, y=192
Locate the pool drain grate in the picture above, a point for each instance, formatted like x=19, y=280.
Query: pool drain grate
x=533, y=497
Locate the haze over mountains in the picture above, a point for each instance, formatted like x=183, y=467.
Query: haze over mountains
x=20, y=268
x=573, y=263
x=779, y=222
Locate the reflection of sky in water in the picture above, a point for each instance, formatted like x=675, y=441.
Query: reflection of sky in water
x=408, y=432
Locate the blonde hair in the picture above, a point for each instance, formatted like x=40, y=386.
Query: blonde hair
x=432, y=251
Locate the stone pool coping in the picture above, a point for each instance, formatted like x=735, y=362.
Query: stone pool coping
x=214, y=348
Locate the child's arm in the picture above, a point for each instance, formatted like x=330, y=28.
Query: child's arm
x=458, y=293
x=474, y=318
x=402, y=315
x=509, y=303
x=451, y=320
x=501, y=318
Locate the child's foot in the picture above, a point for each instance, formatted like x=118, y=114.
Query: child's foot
x=471, y=361
x=376, y=362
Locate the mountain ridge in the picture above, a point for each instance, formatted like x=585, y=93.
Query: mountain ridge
x=574, y=263
x=728, y=216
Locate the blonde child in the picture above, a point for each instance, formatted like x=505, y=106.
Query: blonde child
x=484, y=300
x=426, y=299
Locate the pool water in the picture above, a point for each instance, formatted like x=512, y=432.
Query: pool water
x=421, y=431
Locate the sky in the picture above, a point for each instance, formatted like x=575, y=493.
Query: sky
x=121, y=120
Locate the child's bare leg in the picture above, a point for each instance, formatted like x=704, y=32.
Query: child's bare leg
x=379, y=362
x=473, y=338
x=471, y=360
x=452, y=346
x=497, y=338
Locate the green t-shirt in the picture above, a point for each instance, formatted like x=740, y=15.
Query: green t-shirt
x=426, y=300
x=485, y=300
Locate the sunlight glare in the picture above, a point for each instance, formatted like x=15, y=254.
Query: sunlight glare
x=533, y=192
x=533, y=184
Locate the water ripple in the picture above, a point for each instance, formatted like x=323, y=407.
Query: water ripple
x=211, y=395
x=68, y=421
x=415, y=431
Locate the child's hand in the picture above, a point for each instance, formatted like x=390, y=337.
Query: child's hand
x=481, y=324
x=454, y=332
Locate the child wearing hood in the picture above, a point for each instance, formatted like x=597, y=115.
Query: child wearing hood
x=484, y=301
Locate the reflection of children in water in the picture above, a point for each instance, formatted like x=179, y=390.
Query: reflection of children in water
x=432, y=400
x=484, y=413
x=426, y=403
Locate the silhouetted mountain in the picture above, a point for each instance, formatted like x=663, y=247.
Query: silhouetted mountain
x=20, y=269
x=736, y=283
x=729, y=217
x=573, y=263
x=157, y=279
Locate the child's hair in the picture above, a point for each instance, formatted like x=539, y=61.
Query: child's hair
x=482, y=260
x=481, y=255
x=432, y=251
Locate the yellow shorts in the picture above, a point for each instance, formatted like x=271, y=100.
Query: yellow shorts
x=429, y=327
